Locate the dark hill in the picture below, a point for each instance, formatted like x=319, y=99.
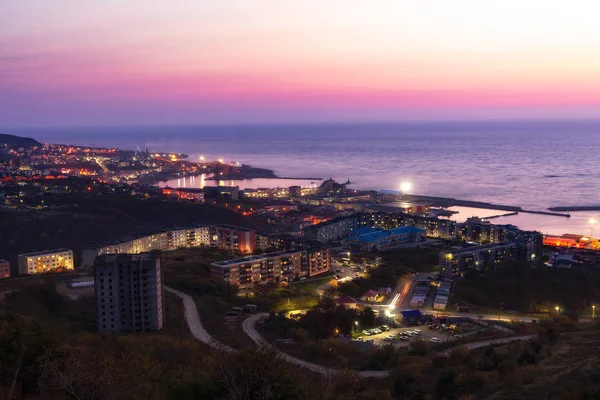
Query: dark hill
x=13, y=140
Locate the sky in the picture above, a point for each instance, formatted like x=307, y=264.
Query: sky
x=123, y=62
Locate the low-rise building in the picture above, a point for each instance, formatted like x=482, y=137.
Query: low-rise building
x=4, y=269
x=45, y=261
x=192, y=194
x=275, y=267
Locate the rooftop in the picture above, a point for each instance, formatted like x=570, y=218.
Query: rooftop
x=255, y=258
x=479, y=248
x=40, y=253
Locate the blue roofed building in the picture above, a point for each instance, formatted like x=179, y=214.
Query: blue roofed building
x=373, y=239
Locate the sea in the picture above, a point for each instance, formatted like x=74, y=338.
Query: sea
x=532, y=164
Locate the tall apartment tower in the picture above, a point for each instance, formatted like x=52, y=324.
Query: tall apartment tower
x=129, y=292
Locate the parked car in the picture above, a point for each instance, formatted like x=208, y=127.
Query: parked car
x=434, y=340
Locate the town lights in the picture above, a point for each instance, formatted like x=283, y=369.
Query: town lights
x=406, y=187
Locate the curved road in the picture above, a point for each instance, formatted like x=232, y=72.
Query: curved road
x=489, y=342
x=249, y=326
x=192, y=318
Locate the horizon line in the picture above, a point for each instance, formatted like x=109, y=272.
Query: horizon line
x=311, y=123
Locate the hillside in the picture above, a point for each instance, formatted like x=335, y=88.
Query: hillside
x=13, y=140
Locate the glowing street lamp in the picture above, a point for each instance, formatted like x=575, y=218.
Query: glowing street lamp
x=557, y=308
x=405, y=187
x=592, y=221
x=593, y=312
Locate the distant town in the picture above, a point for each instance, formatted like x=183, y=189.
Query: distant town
x=393, y=271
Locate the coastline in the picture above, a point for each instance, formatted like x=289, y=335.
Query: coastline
x=238, y=177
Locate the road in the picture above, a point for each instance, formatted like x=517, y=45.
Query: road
x=193, y=320
x=249, y=327
x=489, y=342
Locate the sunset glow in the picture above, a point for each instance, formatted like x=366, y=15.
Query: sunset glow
x=124, y=61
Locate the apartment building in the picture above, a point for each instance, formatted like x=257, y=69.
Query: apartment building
x=335, y=229
x=455, y=263
x=45, y=261
x=272, y=267
x=4, y=269
x=369, y=239
x=234, y=238
x=167, y=240
x=129, y=293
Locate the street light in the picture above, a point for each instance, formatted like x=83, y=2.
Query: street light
x=592, y=221
x=348, y=258
x=405, y=187
x=593, y=312
x=557, y=308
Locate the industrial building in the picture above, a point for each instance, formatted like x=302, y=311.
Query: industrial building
x=45, y=261
x=129, y=293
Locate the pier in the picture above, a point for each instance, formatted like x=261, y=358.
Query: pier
x=501, y=215
x=555, y=214
x=511, y=210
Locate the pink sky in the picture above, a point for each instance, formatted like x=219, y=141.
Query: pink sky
x=65, y=62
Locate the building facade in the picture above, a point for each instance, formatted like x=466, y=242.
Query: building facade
x=272, y=267
x=45, y=261
x=167, y=240
x=4, y=269
x=129, y=293
x=234, y=238
x=369, y=239
x=455, y=263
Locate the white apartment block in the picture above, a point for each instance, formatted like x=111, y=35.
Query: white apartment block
x=45, y=261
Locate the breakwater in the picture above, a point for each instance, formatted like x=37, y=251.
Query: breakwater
x=575, y=208
x=450, y=202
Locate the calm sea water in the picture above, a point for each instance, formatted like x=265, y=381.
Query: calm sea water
x=530, y=164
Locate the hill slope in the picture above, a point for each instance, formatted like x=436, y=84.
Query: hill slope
x=13, y=140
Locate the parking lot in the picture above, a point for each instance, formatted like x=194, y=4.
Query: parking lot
x=403, y=337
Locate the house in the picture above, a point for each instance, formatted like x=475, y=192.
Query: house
x=369, y=295
x=346, y=301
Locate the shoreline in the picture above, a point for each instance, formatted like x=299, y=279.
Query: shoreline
x=238, y=178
